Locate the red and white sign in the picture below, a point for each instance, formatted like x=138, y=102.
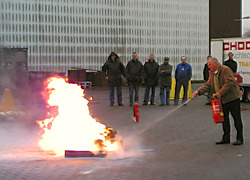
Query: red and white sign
x=237, y=45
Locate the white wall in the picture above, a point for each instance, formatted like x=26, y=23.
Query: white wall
x=82, y=33
x=246, y=22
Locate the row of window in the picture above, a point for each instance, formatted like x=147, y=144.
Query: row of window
x=131, y=26
x=95, y=19
x=73, y=31
x=93, y=59
x=116, y=20
x=46, y=6
x=104, y=50
x=193, y=39
x=111, y=12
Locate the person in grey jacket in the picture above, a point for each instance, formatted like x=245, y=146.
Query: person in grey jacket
x=165, y=81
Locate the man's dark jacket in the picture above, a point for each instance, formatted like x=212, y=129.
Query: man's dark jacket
x=151, y=73
x=232, y=64
x=134, y=71
x=165, y=75
x=114, y=70
x=206, y=72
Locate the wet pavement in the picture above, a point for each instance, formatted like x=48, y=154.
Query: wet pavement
x=169, y=142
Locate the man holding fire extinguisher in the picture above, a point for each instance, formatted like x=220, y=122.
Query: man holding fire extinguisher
x=222, y=82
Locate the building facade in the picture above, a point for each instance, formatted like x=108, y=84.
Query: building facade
x=65, y=34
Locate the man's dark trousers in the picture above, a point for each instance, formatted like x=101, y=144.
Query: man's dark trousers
x=119, y=94
x=162, y=94
x=133, y=87
x=177, y=91
x=232, y=107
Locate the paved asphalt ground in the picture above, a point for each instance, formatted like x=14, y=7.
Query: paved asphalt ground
x=167, y=144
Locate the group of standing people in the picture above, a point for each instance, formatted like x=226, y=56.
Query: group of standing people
x=152, y=73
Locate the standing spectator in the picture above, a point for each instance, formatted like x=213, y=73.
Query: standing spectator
x=165, y=81
x=114, y=70
x=151, y=68
x=183, y=74
x=206, y=76
x=222, y=81
x=206, y=70
x=231, y=63
x=134, y=73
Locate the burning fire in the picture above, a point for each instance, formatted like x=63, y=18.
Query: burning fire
x=69, y=125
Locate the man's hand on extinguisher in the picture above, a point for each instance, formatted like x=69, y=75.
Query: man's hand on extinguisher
x=217, y=95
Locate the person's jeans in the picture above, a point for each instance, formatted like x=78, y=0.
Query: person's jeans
x=162, y=94
x=146, y=96
x=233, y=108
x=119, y=94
x=177, y=91
x=133, y=88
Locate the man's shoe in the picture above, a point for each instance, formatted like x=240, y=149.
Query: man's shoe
x=208, y=104
x=152, y=104
x=120, y=104
x=162, y=104
x=238, y=142
x=111, y=104
x=145, y=104
x=131, y=104
x=223, y=142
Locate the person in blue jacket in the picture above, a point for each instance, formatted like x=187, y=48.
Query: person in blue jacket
x=183, y=74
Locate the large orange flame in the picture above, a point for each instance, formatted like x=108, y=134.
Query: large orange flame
x=70, y=125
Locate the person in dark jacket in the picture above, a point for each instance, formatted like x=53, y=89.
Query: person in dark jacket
x=151, y=68
x=231, y=63
x=134, y=74
x=165, y=81
x=183, y=74
x=206, y=76
x=114, y=70
x=206, y=70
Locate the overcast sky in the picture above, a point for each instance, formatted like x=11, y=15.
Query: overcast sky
x=246, y=12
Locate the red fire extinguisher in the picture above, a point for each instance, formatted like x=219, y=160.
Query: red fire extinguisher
x=136, y=112
x=217, y=111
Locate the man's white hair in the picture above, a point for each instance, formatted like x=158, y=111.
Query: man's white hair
x=214, y=59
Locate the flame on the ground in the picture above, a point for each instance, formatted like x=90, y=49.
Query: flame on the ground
x=69, y=125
